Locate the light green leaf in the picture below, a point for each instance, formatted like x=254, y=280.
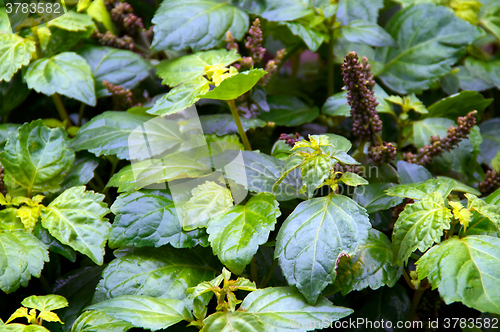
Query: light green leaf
x=181, y=97
x=312, y=38
x=313, y=237
x=97, y=9
x=189, y=67
x=45, y=303
x=289, y=111
x=366, y=32
x=234, y=86
x=353, y=179
x=370, y=267
x=237, y=321
x=431, y=39
x=127, y=135
x=459, y=104
x=374, y=198
x=37, y=158
x=408, y=103
x=344, y=158
x=490, y=18
x=443, y=186
x=21, y=256
x=146, y=312
x=9, y=221
x=336, y=105
x=490, y=211
x=23, y=328
x=209, y=200
x=485, y=70
x=15, y=52
x=465, y=270
x=220, y=124
x=149, y=219
x=118, y=67
x=163, y=273
x=96, y=321
x=236, y=235
x=424, y=129
x=196, y=24
x=314, y=170
x=76, y=218
x=66, y=73
x=72, y=21
x=280, y=308
x=419, y=226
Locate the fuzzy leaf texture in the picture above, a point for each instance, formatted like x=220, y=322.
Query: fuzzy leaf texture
x=236, y=235
x=419, y=226
x=314, y=236
x=76, y=218
x=465, y=270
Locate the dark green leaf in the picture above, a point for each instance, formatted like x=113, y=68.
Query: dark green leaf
x=443, y=186
x=366, y=32
x=491, y=140
x=351, y=10
x=118, y=67
x=412, y=173
x=312, y=38
x=457, y=105
x=12, y=94
x=424, y=129
x=374, y=198
x=81, y=172
x=200, y=25
x=54, y=246
x=220, y=124
x=96, y=321
x=289, y=111
x=314, y=236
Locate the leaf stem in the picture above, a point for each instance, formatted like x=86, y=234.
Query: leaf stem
x=253, y=270
x=269, y=275
x=60, y=108
x=243, y=135
x=331, y=55
x=417, y=296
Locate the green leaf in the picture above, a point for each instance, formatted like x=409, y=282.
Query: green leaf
x=181, y=97
x=489, y=18
x=97, y=9
x=459, y=104
x=470, y=81
x=312, y=38
x=236, y=235
x=374, y=198
x=281, y=308
x=234, y=86
x=412, y=173
x=408, y=103
x=146, y=312
x=198, y=25
x=336, y=105
x=370, y=267
x=151, y=171
x=485, y=70
x=431, y=39
x=9, y=221
x=490, y=211
x=314, y=170
x=76, y=218
x=81, y=172
x=66, y=73
x=45, y=303
x=419, y=226
x=209, y=200
x=189, y=67
x=236, y=321
x=351, y=10
x=465, y=270
x=37, y=158
x=58, y=40
x=15, y=52
x=149, y=219
x=23, y=328
x=220, y=124
x=443, y=186
x=21, y=256
x=96, y=321
x=366, y=32
x=283, y=10
x=163, y=272
x=118, y=67
x=289, y=111
x=54, y=246
x=127, y=135
x=491, y=141
x=72, y=21
x=353, y=179
x=313, y=237
x=424, y=129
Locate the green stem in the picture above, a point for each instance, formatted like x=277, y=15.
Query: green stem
x=417, y=296
x=331, y=55
x=80, y=114
x=270, y=274
x=60, y=108
x=243, y=135
x=449, y=233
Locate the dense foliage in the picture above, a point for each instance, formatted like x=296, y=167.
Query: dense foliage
x=268, y=165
